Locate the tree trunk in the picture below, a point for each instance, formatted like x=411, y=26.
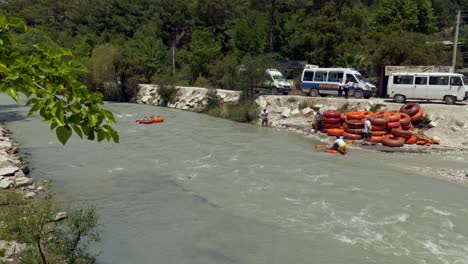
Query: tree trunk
x=272, y=25
x=173, y=54
x=39, y=248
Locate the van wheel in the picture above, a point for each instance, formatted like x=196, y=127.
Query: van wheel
x=450, y=100
x=273, y=91
x=399, y=98
x=314, y=92
x=358, y=94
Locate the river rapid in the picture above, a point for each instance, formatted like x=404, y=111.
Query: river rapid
x=198, y=189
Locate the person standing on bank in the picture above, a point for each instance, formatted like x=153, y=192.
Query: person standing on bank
x=367, y=133
x=346, y=89
x=264, y=116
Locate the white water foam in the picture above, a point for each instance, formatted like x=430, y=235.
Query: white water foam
x=437, y=211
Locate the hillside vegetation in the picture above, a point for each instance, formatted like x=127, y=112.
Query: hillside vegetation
x=196, y=42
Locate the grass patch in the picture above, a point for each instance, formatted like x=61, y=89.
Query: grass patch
x=344, y=107
x=244, y=111
x=425, y=122
x=376, y=107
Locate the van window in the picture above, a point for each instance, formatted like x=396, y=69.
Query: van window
x=308, y=76
x=438, y=80
x=398, y=79
x=351, y=78
x=335, y=76
x=320, y=76
x=420, y=80
x=456, y=81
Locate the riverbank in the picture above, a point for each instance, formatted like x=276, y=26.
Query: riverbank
x=15, y=185
x=298, y=113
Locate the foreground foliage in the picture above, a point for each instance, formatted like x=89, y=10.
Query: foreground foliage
x=48, y=79
x=49, y=241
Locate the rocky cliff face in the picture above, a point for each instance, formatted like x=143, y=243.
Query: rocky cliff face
x=188, y=98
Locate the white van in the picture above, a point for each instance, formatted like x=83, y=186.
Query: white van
x=276, y=83
x=324, y=81
x=448, y=87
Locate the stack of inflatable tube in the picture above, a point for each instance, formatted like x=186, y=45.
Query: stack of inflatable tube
x=354, y=125
x=414, y=110
x=391, y=128
x=331, y=123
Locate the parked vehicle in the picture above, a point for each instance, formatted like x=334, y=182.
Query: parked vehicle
x=276, y=83
x=325, y=81
x=448, y=87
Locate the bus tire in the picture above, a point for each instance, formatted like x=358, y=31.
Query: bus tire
x=314, y=92
x=450, y=100
x=399, y=98
x=358, y=94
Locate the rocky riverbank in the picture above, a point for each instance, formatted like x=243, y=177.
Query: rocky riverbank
x=298, y=113
x=14, y=179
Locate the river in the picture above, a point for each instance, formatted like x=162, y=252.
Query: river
x=198, y=189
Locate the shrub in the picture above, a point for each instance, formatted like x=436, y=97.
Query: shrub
x=291, y=100
x=202, y=82
x=303, y=104
x=50, y=241
x=167, y=93
x=244, y=111
x=344, y=107
x=112, y=92
x=212, y=99
x=376, y=107
x=424, y=122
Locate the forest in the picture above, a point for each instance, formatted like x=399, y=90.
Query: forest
x=204, y=43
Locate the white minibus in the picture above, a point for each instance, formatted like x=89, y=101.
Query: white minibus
x=324, y=81
x=448, y=87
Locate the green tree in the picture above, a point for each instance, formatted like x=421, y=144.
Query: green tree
x=49, y=82
x=412, y=15
x=203, y=51
x=253, y=73
x=148, y=51
x=225, y=73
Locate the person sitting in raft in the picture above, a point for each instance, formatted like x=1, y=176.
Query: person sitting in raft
x=146, y=118
x=339, y=144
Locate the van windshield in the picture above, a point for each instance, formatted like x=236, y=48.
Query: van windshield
x=360, y=78
x=277, y=77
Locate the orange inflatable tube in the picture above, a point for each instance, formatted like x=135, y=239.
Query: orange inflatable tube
x=356, y=115
x=418, y=115
x=412, y=140
x=335, y=131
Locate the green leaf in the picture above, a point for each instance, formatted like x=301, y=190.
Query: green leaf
x=35, y=108
x=101, y=135
x=77, y=130
x=63, y=134
x=12, y=92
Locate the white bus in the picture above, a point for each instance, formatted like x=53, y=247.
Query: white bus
x=448, y=87
x=324, y=81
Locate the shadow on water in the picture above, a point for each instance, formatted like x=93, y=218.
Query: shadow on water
x=12, y=112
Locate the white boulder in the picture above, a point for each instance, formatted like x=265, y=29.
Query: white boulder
x=23, y=181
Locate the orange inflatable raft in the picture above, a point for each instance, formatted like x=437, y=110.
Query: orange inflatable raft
x=151, y=120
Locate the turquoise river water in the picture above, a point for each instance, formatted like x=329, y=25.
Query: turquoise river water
x=198, y=189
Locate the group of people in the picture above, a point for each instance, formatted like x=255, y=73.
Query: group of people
x=151, y=117
x=340, y=145
x=343, y=88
